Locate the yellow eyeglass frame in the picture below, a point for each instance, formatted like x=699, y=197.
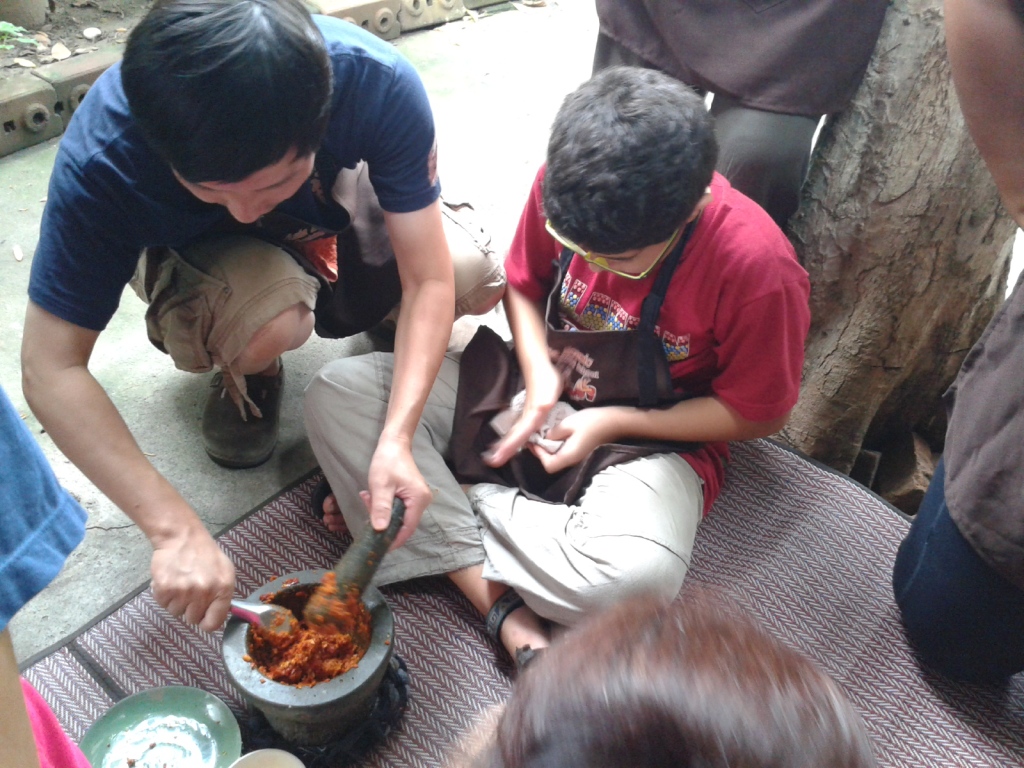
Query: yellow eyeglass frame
x=602, y=263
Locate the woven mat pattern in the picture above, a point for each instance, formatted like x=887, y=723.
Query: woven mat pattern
x=804, y=550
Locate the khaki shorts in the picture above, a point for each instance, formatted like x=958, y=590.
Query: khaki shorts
x=206, y=301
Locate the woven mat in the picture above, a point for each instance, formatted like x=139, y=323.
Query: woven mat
x=806, y=551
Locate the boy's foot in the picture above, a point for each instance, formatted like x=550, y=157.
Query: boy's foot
x=326, y=509
x=232, y=442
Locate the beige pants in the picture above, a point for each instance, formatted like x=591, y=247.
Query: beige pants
x=631, y=532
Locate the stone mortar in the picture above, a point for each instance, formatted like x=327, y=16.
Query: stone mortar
x=326, y=711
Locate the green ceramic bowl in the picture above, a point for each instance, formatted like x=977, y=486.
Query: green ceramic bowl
x=169, y=726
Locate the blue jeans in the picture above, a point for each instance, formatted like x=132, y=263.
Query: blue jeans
x=964, y=619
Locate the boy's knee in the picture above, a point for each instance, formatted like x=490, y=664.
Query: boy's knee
x=659, y=573
x=347, y=379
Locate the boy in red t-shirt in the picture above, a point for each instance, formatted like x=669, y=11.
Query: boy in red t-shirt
x=665, y=307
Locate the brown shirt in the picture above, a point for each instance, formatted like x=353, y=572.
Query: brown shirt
x=984, y=452
x=799, y=57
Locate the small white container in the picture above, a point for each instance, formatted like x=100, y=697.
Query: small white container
x=268, y=758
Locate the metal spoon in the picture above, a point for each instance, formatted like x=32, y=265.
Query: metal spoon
x=273, y=618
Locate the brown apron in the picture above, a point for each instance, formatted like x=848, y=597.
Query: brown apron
x=599, y=368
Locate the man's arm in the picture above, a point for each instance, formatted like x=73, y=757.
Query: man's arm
x=985, y=40
x=421, y=339
x=192, y=577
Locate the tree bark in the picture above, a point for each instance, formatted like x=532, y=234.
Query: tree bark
x=907, y=246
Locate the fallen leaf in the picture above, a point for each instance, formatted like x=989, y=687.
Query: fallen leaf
x=19, y=254
x=91, y=33
x=90, y=49
x=60, y=52
x=25, y=63
x=41, y=37
x=41, y=199
x=121, y=30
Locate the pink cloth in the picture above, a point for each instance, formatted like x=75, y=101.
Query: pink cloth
x=55, y=749
x=734, y=319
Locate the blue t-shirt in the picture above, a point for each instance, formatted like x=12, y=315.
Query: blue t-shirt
x=111, y=195
x=39, y=521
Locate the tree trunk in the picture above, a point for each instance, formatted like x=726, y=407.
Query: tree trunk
x=907, y=246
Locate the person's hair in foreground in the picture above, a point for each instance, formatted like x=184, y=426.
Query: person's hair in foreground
x=224, y=88
x=631, y=153
x=650, y=683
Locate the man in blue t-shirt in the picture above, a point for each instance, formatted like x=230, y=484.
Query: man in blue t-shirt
x=255, y=175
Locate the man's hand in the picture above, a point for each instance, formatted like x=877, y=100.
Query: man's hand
x=193, y=578
x=393, y=472
x=582, y=432
x=542, y=392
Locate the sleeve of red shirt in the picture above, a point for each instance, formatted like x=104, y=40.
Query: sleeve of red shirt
x=530, y=264
x=761, y=325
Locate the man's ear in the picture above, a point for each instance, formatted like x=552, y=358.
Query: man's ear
x=700, y=206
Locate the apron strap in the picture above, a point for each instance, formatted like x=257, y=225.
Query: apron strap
x=649, y=344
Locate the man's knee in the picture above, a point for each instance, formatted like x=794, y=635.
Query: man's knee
x=479, y=273
x=224, y=298
x=287, y=331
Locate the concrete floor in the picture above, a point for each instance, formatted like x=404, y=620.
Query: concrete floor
x=495, y=84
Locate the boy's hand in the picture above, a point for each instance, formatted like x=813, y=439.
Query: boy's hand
x=542, y=392
x=582, y=432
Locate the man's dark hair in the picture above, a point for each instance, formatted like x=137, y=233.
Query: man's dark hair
x=631, y=152
x=223, y=88
x=687, y=684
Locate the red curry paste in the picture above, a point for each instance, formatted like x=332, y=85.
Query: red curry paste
x=313, y=653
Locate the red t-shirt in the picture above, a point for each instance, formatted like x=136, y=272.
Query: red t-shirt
x=734, y=319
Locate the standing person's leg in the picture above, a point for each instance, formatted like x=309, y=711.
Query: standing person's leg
x=631, y=532
x=962, y=617
x=765, y=155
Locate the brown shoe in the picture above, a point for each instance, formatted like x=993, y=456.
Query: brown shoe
x=236, y=443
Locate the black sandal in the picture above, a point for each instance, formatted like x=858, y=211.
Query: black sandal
x=320, y=494
x=510, y=601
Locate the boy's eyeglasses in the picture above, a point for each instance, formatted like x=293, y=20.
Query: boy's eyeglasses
x=604, y=263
